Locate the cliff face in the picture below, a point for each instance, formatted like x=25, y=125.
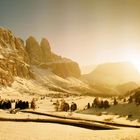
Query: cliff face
x=16, y=59
x=42, y=56
x=40, y=53
x=13, y=58
x=63, y=69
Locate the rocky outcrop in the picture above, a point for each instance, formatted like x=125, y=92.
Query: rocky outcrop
x=42, y=56
x=13, y=58
x=46, y=51
x=63, y=69
x=39, y=54
x=16, y=58
x=34, y=51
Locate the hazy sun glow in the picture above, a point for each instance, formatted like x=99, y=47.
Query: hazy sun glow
x=137, y=65
x=136, y=61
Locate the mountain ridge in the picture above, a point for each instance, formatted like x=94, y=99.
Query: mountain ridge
x=113, y=73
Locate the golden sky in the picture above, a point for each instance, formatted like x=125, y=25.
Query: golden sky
x=87, y=31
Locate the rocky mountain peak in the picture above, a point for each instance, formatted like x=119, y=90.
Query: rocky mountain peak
x=34, y=51
x=13, y=58
x=45, y=44
x=42, y=56
x=16, y=58
x=7, y=40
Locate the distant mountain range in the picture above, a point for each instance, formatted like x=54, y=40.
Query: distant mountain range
x=113, y=74
x=113, y=78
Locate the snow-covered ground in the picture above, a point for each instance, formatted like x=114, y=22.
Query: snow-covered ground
x=52, y=131
x=47, y=131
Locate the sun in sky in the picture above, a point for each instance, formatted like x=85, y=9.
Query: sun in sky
x=136, y=63
x=134, y=58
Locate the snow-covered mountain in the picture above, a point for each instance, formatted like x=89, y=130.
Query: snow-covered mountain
x=34, y=69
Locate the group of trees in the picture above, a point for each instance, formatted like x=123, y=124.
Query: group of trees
x=19, y=104
x=5, y=104
x=22, y=104
x=98, y=103
x=135, y=97
x=64, y=106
